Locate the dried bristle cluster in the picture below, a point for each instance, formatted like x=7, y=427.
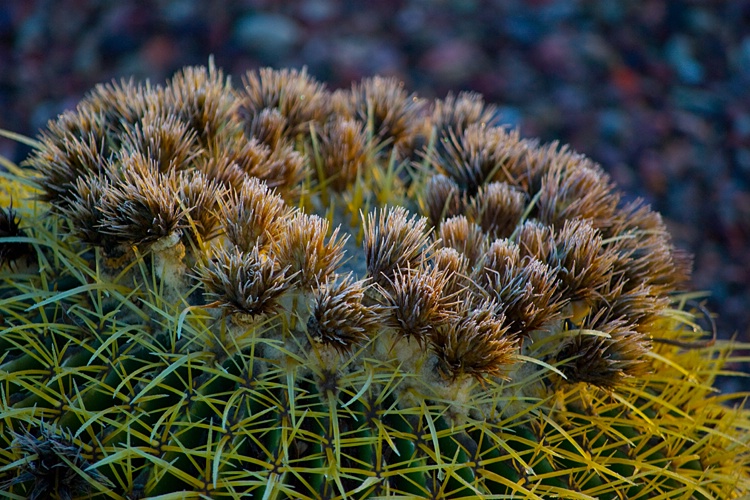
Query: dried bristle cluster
x=254, y=278
x=10, y=251
x=519, y=241
x=558, y=248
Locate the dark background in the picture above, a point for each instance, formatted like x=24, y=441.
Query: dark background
x=656, y=91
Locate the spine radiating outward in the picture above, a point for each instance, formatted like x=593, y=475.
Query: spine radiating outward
x=280, y=291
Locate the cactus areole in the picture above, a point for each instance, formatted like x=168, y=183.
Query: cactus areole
x=275, y=290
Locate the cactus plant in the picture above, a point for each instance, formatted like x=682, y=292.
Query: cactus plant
x=279, y=291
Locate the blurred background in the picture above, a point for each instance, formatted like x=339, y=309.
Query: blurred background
x=657, y=91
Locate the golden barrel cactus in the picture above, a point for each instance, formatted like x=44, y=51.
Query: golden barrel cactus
x=273, y=290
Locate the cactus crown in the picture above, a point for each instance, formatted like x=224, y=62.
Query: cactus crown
x=286, y=292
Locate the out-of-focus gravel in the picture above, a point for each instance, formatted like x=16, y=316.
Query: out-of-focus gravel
x=655, y=90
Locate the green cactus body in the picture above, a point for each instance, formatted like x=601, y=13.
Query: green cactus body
x=277, y=291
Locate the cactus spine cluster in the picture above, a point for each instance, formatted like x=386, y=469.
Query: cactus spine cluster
x=280, y=291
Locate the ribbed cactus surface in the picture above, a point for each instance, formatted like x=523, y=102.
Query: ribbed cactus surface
x=273, y=290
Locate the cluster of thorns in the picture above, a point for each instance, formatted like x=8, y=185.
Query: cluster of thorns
x=515, y=240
